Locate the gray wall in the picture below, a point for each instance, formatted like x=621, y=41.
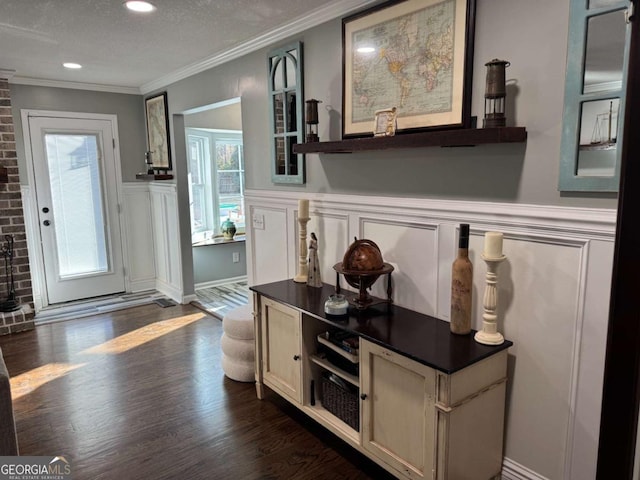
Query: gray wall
x=215, y=262
x=128, y=108
x=535, y=45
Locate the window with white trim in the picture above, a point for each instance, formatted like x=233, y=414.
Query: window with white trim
x=216, y=181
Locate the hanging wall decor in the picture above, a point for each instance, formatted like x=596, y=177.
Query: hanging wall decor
x=157, y=114
x=414, y=54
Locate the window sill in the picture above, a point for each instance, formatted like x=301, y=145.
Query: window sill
x=219, y=241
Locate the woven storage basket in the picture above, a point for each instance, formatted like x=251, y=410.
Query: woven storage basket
x=342, y=403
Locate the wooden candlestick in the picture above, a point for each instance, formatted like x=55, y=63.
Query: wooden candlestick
x=303, y=269
x=489, y=334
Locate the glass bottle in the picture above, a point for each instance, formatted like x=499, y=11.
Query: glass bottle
x=461, y=286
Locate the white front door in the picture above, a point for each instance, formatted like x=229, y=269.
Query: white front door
x=77, y=199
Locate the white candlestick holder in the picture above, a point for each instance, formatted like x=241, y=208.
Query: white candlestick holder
x=489, y=334
x=303, y=268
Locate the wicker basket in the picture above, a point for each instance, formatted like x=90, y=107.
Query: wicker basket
x=341, y=402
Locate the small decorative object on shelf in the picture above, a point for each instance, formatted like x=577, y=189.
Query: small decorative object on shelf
x=495, y=94
x=314, y=279
x=384, y=124
x=461, y=286
x=336, y=304
x=361, y=266
x=228, y=229
x=303, y=219
x=7, y=251
x=148, y=162
x=311, y=119
x=493, y=256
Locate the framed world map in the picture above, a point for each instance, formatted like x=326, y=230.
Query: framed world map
x=415, y=55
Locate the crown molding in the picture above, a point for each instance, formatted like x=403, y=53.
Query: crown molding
x=95, y=87
x=7, y=74
x=327, y=12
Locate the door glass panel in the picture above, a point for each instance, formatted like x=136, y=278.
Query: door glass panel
x=604, y=55
x=598, y=138
x=77, y=209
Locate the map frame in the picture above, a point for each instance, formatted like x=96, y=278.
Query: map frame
x=379, y=23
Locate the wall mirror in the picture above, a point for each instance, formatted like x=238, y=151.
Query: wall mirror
x=286, y=113
x=594, y=95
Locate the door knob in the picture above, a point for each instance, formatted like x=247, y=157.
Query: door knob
x=46, y=223
x=45, y=210
x=363, y=396
x=296, y=357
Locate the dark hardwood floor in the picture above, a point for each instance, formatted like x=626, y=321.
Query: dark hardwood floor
x=140, y=394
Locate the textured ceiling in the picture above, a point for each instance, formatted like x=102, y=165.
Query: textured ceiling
x=120, y=48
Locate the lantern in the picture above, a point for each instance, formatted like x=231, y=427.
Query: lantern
x=495, y=94
x=311, y=119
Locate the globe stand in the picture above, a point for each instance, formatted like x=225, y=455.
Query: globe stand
x=362, y=281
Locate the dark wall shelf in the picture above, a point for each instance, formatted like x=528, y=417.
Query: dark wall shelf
x=467, y=137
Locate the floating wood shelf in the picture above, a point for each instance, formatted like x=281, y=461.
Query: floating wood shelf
x=153, y=176
x=467, y=137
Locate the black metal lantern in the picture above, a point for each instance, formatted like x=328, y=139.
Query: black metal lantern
x=495, y=94
x=311, y=119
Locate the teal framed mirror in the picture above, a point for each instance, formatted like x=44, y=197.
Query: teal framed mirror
x=595, y=83
x=286, y=113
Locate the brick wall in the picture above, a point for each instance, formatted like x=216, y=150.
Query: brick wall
x=12, y=223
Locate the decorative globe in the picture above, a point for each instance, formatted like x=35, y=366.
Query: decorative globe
x=362, y=263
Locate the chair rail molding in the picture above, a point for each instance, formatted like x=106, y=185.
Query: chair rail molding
x=553, y=298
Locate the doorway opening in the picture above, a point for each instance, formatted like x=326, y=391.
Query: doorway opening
x=215, y=159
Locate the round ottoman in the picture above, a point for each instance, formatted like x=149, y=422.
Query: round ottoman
x=238, y=350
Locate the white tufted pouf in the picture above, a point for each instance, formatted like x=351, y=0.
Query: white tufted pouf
x=238, y=350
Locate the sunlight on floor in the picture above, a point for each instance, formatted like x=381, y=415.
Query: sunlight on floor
x=143, y=335
x=28, y=382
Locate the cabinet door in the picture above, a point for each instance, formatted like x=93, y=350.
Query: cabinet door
x=398, y=415
x=281, y=349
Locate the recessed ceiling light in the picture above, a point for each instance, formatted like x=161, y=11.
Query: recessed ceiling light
x=139, y=6
x=71, y=65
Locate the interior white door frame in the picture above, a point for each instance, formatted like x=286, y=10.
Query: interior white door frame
x=36, y=259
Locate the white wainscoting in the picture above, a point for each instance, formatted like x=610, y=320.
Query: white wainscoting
x=140, y=265
x=553, y=298
x=166, y=239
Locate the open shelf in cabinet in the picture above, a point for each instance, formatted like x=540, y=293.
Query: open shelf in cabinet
x=352, y=379
x=464, y=137
x=353, y=358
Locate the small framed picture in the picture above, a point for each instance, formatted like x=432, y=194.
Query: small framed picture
x=384, y=124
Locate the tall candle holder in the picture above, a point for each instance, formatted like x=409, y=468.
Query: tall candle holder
x=303, y=268
x=489, y=334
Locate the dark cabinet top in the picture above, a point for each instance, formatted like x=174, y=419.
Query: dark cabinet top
x=423, y=338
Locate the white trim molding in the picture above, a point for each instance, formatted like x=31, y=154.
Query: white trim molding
x=322, y=14
x=553, y=301
x=94, y=87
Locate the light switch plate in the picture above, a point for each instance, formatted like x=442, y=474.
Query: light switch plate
x=258, y=221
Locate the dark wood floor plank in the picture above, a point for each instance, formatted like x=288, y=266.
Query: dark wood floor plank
x=140, y=394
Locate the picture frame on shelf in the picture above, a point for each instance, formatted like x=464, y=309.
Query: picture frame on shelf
x=157, y=119
x=384, y=124
x=415, y=54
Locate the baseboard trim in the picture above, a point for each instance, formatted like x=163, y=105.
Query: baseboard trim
x=514, y=471
x=217, y=283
